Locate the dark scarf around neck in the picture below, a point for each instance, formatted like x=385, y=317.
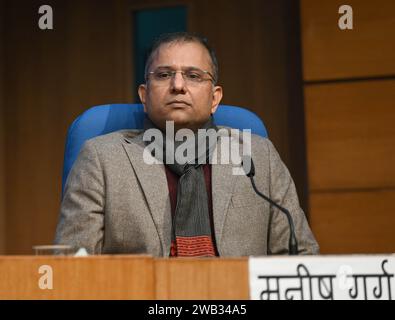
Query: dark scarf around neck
x=191, y=231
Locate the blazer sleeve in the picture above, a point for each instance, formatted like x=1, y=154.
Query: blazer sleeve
x=283, y=192
x=81, y=221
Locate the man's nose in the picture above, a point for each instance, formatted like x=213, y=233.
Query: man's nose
x=178, y=82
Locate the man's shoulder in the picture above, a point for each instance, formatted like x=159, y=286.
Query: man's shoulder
x=114, y=138
x=257, y=142
x=236, y=133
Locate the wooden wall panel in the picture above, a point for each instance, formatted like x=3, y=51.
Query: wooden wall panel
x=51, y=77
x=2, y=133
x=351, y=135
x=365, y=51
x=349, y=110
x=354, y=222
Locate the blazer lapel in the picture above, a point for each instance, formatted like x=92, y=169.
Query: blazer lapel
x=152, y=178
x=223, y=183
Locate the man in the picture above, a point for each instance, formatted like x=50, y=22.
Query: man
x=117, y=201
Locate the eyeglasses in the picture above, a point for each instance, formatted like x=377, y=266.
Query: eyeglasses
x=192, y=76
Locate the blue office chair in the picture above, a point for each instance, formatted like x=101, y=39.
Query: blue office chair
x=107, y=118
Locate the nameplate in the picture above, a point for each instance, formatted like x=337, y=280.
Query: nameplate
x=355, y=277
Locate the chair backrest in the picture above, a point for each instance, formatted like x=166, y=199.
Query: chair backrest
x=107, y=118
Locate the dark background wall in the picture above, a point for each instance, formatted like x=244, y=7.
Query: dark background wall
x=49, y=77
x=52, y=76
x=2, y=132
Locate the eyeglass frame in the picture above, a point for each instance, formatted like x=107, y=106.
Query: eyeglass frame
x=174, y=72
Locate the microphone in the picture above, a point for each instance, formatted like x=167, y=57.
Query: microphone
x=293, y=243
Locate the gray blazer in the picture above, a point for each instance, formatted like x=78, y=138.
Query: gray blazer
x=114, y=202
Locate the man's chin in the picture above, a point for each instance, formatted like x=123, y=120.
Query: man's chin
x=182, y=123
x=180, y=117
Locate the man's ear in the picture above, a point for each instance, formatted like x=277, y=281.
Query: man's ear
x=217, y=96
x=142, y=91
